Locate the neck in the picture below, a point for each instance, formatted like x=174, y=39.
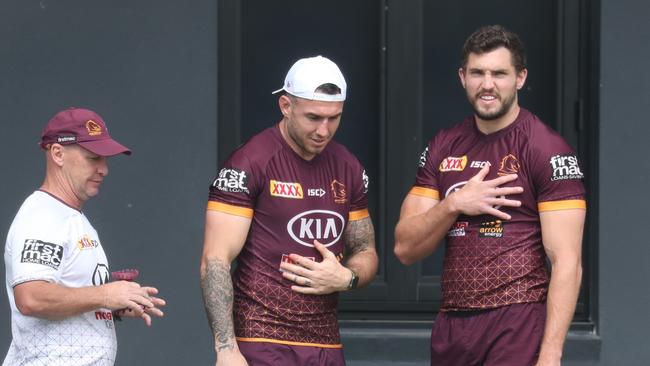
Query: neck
x=494, y=125
x=56, y=187
x=292, y=144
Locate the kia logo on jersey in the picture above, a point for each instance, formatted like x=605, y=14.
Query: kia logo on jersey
x=322, y=225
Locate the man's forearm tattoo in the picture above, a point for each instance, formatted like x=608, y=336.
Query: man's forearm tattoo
x=359, y=236
x=216, y=284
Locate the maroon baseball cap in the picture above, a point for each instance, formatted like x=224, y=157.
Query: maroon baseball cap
x=83, y=127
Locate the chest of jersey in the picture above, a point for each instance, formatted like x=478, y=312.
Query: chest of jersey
x=302, y=202
x=85, y=262
x=462, y=161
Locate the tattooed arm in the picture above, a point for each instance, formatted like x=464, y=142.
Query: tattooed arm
x=225, y=236
x=320, y=278
x=360, y=250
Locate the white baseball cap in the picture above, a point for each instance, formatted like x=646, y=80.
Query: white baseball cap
x=307, y=74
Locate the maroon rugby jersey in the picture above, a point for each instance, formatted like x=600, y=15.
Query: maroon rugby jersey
x=291, y=202
x=488, y=262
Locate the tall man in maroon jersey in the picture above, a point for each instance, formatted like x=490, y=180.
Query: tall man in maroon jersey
x=506, y=191
x=290, y=205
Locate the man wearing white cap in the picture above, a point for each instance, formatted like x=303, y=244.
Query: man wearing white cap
x=290, y=205
x=57, y=275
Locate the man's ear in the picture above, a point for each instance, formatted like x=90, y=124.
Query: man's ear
x=285, y=105
x=56, y=153
x=461, y=76
x=521, y=78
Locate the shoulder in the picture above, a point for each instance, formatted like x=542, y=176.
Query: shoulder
x=448, y=136
x=341, y=154
x=258, y=150
x=41, y=207
x=540, y=136
x=42, y=214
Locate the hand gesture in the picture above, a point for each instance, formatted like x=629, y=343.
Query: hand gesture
x=480, y=196
x=316, y=278
x=147, y=312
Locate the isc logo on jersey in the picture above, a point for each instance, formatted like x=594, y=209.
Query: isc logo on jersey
x=565, y=167
x=322, y=225
x=232, y=180
x=286, y=190
x=40, y=252
x=452, y=163
x=479, y=164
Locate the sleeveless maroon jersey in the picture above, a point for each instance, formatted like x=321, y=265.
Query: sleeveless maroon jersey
x=291, y=202
x=489, y=262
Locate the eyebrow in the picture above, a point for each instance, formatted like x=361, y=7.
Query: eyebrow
x=475, y=69
x=310, y=115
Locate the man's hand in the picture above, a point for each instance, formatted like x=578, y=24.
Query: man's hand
x=126, y=295
x=147, y=312
x=424, y=221
x=317, y=278
x=230, y=357
x=481, y=196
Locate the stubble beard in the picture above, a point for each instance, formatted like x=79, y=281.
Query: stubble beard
x=299, y=142
x=506, y=104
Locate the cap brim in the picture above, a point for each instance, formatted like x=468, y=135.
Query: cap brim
x=107, y=147
x=277, y=91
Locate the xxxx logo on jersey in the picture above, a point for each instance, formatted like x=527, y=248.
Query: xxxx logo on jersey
x=286, y=190
x=452, y=163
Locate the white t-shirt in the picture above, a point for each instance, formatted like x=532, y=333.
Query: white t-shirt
x=51, y=241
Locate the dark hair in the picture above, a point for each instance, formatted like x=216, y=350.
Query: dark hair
x=491, y=37
x=327, y=88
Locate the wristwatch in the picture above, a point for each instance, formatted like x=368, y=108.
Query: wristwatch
x=354, y=281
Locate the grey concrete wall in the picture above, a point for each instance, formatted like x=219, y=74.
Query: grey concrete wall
x=149, y=68
x=624, y=271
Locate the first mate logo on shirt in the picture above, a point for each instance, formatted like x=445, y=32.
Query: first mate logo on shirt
x=232, y=180
x=565, y=166
x=41, y=252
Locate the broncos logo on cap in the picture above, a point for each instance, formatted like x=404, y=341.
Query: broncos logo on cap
x=94, y=129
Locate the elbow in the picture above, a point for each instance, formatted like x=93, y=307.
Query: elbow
x=400, y=249
x=24, y=308
x=569, y=268
x=402, y=254
x=28, y=306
